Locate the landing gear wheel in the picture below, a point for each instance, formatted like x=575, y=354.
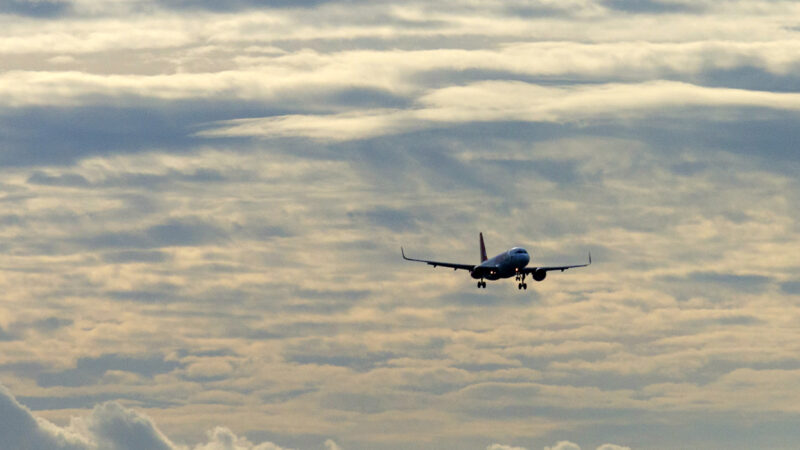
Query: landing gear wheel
x=525, y=286
x=483, y=284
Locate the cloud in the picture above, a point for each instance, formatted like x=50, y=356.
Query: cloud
x=183, y=232
x=238, y=5
x=153, y=253
x=112, y=426
x=90, y=370
x=109, y=426
x=503, y=447
x=564, y=445
x=331, y=445
x=41, y=9
x=651, y=6
x=511, y=101
x=20, y=429
x=567, y=445
x=791, y=287
x=224, y=439
x=357, y=77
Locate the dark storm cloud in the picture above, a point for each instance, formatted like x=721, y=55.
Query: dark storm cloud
x=89, y=370
x=40, y=9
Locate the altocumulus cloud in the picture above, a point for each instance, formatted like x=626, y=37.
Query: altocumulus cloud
x=201, y=205
x=109, y=426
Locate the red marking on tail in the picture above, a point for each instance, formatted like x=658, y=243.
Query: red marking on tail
x=483, y=249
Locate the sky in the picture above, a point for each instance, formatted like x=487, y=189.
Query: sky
x=202, y=205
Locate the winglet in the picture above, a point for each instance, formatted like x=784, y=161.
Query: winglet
x=590, y=258
x=402, y=252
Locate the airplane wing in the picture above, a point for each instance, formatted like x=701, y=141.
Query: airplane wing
x=561, y=268
x=453, y=266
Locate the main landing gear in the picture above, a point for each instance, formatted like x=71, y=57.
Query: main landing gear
x=481, y=284
x=521, y=280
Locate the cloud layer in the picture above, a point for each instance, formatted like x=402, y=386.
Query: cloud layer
x=201, y=206
x=108, y=426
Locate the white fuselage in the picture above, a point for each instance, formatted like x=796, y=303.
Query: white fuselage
x=505, y=265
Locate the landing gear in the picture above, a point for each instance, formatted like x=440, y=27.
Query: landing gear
x=522, y=284
x=481, y=284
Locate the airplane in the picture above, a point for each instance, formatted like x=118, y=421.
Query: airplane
x=505, y=265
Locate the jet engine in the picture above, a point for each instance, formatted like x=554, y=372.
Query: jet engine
x=539, y=274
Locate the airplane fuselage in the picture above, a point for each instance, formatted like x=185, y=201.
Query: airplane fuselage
x=511, y=263
x=505, y=265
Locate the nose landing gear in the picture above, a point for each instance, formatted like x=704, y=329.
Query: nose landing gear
x=481, y=284
x=522, y=284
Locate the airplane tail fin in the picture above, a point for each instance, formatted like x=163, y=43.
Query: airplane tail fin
x=483, y=249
